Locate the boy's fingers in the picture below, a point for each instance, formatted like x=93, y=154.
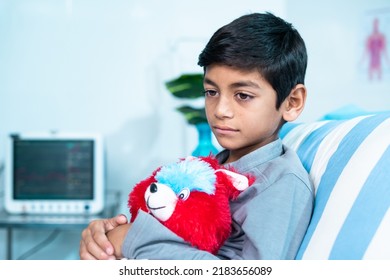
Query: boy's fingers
x=94, y=243
x=119, y=220
x=93, y=252
x=94, y=240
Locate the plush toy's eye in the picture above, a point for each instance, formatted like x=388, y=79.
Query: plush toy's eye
x=184, y=194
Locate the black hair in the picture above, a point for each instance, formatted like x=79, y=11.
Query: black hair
x=264, y=42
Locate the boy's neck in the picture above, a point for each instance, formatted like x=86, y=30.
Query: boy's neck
x=235, y=155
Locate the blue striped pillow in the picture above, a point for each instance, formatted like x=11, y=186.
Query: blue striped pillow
x=349, y=163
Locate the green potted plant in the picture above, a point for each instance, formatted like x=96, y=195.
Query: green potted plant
x=190, y=86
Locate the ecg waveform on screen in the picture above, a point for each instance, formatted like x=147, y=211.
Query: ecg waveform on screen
x=46, y=169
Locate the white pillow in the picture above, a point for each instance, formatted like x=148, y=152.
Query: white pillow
x=349, y=163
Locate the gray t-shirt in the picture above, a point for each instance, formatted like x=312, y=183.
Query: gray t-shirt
x=270, y=218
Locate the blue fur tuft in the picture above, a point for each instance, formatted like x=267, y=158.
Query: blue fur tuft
x=191, y=173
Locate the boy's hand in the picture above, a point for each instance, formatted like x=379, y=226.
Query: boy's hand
x=94, y=244
x=116, y=237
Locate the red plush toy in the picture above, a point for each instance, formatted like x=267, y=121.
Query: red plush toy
x=191, y=198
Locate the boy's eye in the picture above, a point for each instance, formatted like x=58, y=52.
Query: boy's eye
x=210, y=92
x=243, y=96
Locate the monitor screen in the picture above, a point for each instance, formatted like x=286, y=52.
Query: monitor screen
x=60, y=173
x=48, y=169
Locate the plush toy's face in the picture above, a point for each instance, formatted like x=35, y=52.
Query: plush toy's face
x=161, y=200
x=175, y=182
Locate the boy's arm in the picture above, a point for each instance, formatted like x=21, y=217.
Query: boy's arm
x=149, y=239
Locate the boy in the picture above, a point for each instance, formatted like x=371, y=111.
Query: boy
x=254, y=71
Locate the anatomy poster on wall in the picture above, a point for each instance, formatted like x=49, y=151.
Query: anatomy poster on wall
x=374, y=43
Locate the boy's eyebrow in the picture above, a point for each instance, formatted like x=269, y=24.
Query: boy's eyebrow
x=246, y=83
x=208, y=81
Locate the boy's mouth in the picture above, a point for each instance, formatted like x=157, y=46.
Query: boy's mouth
x=222, y=129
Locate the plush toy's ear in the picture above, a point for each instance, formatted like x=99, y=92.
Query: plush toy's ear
x=239, y=181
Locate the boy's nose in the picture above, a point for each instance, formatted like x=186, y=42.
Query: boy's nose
x=223, y=109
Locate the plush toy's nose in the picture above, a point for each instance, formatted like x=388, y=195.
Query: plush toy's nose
x=153, y=188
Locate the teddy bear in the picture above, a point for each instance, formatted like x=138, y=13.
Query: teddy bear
x=191, y=198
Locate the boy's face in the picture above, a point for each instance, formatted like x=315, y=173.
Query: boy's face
x=240, y=108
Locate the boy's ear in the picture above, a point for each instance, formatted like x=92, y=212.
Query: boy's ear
x=293, y=105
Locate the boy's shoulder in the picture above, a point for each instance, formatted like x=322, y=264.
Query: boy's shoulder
x=290, y=165
x=274, y=162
